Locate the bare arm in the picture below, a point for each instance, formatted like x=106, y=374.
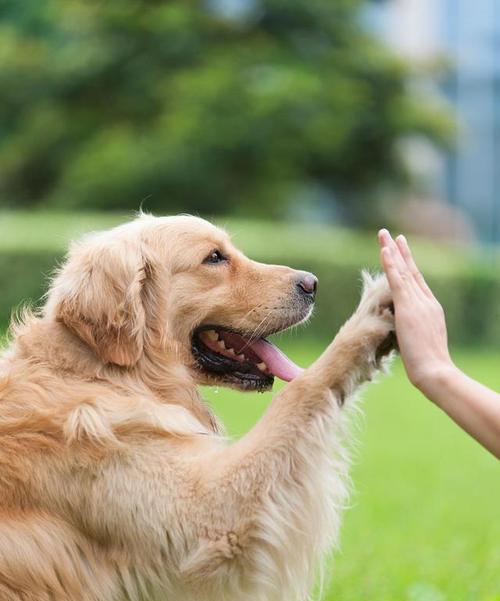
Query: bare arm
x=422, y=338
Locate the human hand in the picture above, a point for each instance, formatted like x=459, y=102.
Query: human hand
x=420, y=322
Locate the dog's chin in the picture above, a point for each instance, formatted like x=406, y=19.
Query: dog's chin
x=224, y=356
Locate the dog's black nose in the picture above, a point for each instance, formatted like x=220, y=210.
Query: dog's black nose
x=308, y=284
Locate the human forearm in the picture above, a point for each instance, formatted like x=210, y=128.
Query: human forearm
x=474, y=407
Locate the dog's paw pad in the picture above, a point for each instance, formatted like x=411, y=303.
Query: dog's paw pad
x=388, y=344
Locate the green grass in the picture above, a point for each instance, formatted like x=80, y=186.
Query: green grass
x=424, y=521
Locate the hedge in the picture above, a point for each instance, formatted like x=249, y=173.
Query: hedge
x=466, y=284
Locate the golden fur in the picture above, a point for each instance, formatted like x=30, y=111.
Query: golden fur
x=116, y=482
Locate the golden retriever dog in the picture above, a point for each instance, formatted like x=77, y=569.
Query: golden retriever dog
x=116, y=480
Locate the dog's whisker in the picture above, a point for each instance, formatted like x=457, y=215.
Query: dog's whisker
x=256, y=308
x=259, y=329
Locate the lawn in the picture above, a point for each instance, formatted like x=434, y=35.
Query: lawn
x=424, y=518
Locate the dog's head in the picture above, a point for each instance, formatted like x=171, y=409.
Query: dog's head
x=177, y=284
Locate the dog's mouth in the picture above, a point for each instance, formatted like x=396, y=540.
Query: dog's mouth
x=239, y=360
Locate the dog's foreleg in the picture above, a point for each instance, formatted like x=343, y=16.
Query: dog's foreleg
x=271, y=501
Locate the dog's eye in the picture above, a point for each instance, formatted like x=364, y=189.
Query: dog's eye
x=215, y=257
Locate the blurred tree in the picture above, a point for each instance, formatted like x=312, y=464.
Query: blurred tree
x=216, y=105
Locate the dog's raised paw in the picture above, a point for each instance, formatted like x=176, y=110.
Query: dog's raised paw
x=376, y=298
x=388, y=344
x=377, y=307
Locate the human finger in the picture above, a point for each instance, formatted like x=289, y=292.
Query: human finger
x=407, y=255
x=386, y=241
x=394, y=278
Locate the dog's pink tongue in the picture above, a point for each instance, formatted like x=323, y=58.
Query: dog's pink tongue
x=277, y=362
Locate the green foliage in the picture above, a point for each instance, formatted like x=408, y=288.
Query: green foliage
x=32, y=243
x=192, y=107
x=423, y=521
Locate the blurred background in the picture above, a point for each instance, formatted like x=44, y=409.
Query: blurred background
x=301, y=126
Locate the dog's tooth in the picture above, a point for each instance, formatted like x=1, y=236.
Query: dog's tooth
x=230, y=351
x=212, y=334
x=262, y=366
x=221, y=343
x=241, y=357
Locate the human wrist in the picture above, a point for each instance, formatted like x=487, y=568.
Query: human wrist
x=435, y=379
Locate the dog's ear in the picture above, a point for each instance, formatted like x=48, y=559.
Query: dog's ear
x=98, y=296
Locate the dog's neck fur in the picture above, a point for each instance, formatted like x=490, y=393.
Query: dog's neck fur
x=159, y=374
